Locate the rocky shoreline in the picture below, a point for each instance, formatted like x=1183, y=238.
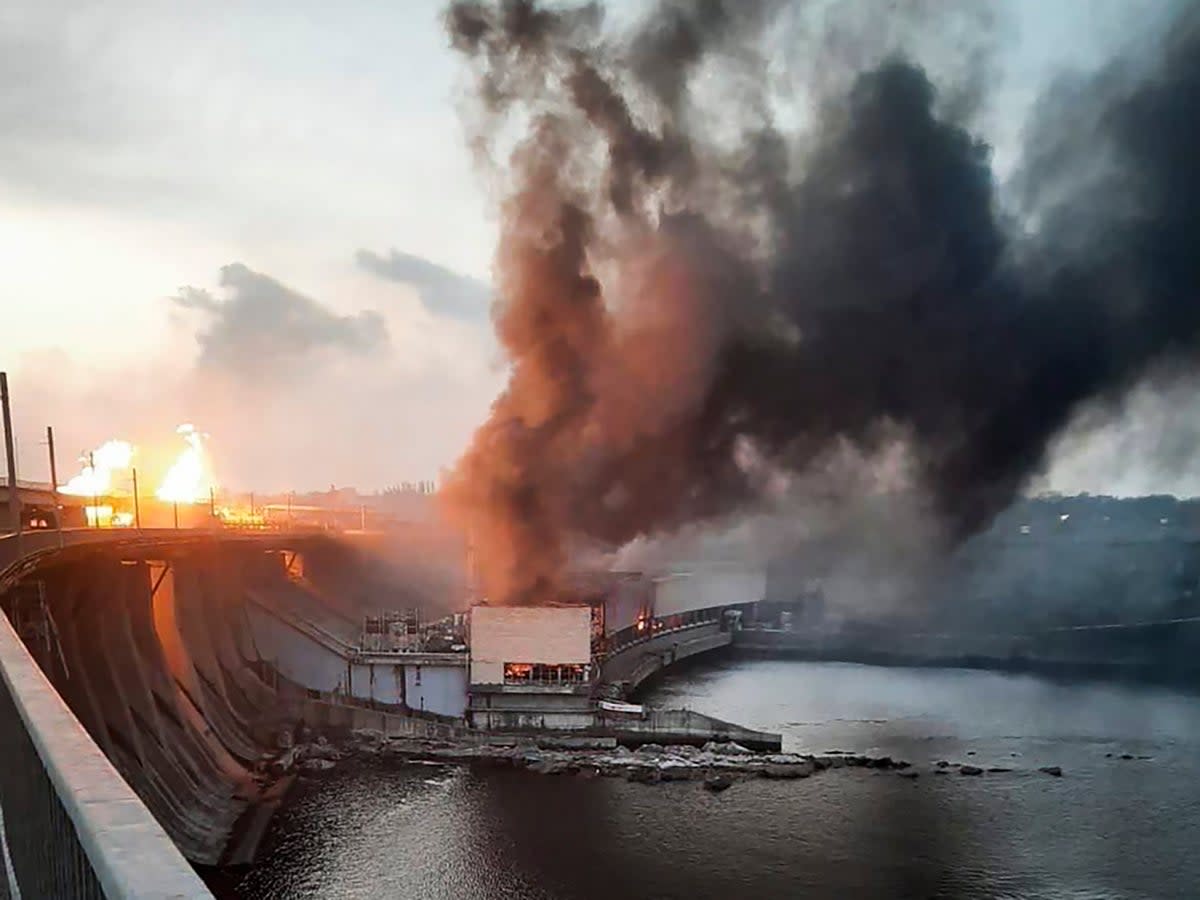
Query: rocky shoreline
x=716, y=765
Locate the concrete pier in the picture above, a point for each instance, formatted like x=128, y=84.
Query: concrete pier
x=634, y=663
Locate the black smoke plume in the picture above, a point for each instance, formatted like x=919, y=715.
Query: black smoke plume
x=694, y=296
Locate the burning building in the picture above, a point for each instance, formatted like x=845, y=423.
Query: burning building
x=543, y=667
x=531, y=666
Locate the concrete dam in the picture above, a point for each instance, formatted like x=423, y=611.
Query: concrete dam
x=185, y=655
x=188, y=657
x=157, y=647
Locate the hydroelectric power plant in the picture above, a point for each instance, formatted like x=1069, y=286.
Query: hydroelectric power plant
x=163, y=687
x=167, y=682
x=183, y=664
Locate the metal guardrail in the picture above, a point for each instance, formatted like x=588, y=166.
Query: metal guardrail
x=69, y=824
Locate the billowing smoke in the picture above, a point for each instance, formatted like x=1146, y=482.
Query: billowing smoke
x=701, y=291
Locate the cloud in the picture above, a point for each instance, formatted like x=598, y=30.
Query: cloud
x=443, y=291
x=262, y=327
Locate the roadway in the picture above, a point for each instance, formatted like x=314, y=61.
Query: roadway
x=21, y=553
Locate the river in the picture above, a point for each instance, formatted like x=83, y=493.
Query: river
x=1109, y=828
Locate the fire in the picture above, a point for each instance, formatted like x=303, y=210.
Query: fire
x=189, y=480
x=241, y=517
x=96, y=479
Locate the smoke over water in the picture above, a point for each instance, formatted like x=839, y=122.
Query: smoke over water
x=706, y=294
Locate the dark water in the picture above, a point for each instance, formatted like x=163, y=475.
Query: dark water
x=1109, y=828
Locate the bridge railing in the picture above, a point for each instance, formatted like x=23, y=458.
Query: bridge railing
x=69, y=824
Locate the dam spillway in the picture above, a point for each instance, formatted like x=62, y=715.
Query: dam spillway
x=158, y=649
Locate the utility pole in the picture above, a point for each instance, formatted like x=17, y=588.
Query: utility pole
x=54, y=483
x=91, y=457
x=137, y=511
x=14, y=495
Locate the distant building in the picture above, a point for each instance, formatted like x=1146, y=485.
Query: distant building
x=535, y=667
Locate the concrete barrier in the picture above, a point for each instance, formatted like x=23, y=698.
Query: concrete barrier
x=686, y=726
x=69, y=824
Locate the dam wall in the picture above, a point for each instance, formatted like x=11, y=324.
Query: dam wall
x=148, y=654
x=177, y=656
x=70, y=825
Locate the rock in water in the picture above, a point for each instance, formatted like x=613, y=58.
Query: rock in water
x=775, y=770
x=669, y=771
x=645, y=775
x=321, y=751
x=730, y=748
x=717, y=783
x=551, y=767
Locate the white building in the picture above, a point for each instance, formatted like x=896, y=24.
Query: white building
x=531, y=666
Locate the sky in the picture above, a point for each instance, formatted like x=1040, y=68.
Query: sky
x=265, y=219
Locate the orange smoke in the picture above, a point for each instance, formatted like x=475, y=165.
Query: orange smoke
x=600, y=391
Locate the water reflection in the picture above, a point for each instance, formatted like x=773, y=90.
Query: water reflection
x=1108, y=828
